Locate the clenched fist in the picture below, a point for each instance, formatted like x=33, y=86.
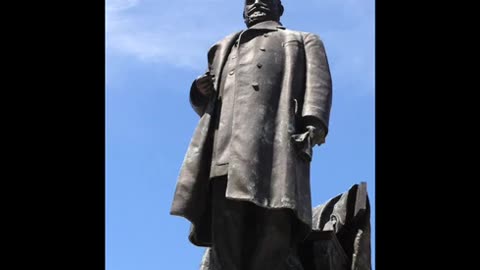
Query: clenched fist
x=204, y=84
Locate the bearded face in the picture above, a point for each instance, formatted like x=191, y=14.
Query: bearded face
x=256, y=11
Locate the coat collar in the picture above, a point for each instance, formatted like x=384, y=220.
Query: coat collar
x=268, y=25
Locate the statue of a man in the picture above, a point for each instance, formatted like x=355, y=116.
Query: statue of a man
x=264, y=102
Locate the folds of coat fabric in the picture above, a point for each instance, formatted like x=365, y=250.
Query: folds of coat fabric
x=281, y=78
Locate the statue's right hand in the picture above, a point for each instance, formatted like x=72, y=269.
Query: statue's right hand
x=204, y=84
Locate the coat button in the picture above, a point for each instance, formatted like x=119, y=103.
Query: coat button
x=262, y=49
x=255, y=86
x=231, y=72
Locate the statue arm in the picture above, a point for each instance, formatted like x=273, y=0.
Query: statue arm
x=318, y=89
x=200, y=93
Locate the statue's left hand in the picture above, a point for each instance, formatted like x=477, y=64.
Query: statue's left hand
x=204, y=84
x=307, y=140
x=317, y=135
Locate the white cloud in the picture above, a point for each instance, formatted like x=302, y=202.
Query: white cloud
x=177, y=33
x=117, y=5
x=180, y=32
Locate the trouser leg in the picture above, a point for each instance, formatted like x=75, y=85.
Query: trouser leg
x=228, y=219
x=246, y=236
x=273, y=240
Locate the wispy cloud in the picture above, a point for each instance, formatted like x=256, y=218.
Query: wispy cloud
x=176, y=32
x=117, y=5
x=180, y=32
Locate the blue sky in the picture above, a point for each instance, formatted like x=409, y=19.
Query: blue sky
x=154, y=50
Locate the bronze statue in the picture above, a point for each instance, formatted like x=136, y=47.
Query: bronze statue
x=264, y=103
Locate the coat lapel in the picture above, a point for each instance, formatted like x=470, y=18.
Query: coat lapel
x=217, y=57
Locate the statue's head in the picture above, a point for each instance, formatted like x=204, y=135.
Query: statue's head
x=256, y=11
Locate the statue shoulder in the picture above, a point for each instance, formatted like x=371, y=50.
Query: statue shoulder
x=302, y=35
x=312, y=37
x=221, y=44
x=225, y=39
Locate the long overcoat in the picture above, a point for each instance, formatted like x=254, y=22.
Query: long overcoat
x=280, y=79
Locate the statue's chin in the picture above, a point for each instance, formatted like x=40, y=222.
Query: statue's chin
x=257, y=17
x=258, y=14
